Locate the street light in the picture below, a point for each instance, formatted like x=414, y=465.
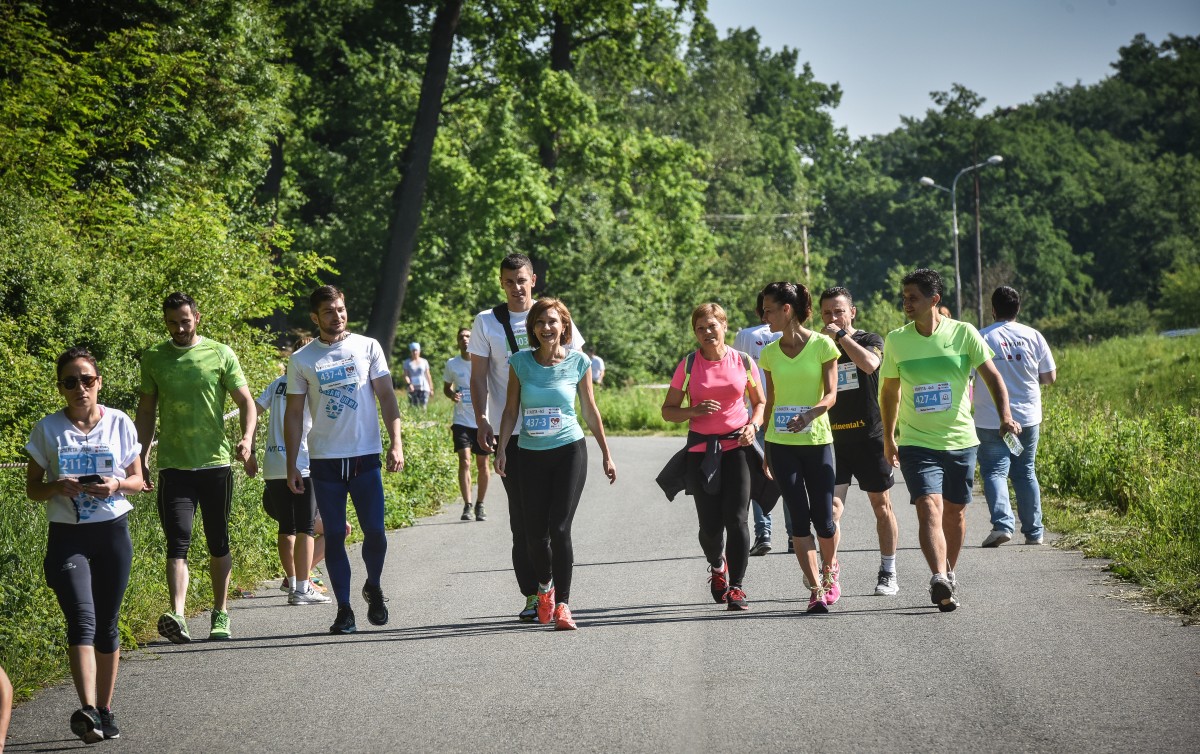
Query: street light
x=928, y=182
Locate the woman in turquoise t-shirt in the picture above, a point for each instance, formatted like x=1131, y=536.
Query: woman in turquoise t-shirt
x=801, y=377
x=542, y=385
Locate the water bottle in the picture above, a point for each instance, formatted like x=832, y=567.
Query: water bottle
x=1014, y=445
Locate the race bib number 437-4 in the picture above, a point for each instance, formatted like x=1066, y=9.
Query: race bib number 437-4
x=337, y=374
x=934, y=397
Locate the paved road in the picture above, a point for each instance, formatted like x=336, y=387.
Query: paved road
x=1037, y=658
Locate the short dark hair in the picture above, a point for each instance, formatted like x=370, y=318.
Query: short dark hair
x=795, y=294
x=929, y=281
x=178, y=300
x=462, y=330
x=834, y=292
x=1006, y=302
x=69, y=355
x=323, y=294
x=540, y=306
x=758, y=306
x=515, y=261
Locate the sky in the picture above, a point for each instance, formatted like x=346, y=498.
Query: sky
x=888, y=55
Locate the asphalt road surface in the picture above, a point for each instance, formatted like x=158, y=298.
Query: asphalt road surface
x=1040, y=657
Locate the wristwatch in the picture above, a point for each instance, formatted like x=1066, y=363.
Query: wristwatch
x=839, y=334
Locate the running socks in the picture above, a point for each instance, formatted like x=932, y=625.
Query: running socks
x=887, y=563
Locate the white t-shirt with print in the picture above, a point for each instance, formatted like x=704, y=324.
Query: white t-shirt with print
x=341, y=401
x=274, y=401
x=488, y=340
x=753, y=340
x=1021, y=355
x=417, y=372
x=62, y=450
x=458, y=374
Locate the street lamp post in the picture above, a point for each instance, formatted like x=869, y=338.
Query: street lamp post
x=953, y=192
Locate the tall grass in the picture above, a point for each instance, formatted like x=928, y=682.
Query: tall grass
x=32, y=631
x=635, y=410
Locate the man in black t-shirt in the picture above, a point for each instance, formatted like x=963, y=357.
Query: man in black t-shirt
x=858, y=429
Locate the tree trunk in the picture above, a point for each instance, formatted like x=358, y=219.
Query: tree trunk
x=409, y=196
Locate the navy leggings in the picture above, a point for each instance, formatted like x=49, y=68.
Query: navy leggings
x=551, y=485
x=805, y=477
x=722, y=515
x=360, y=477
x=87, y=566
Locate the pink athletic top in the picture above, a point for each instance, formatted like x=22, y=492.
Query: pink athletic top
x=724, y=381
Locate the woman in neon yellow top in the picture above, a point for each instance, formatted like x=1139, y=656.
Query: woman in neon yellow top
x=801, y=380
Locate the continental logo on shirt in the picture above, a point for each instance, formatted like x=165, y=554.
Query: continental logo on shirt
x=849, y=425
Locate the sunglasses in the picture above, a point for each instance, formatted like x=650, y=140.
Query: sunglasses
x=71, y=383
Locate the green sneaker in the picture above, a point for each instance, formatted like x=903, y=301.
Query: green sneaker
x=529, y=614
x=220, y=626
x=173, y=628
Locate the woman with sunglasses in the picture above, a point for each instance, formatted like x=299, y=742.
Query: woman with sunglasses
x=801, y=377
x=83, y=460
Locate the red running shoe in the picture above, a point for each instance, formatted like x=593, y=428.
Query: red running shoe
x=718, y=581
x=829, y=582
x=545, y=605
x=562, y=618
x=736, y=598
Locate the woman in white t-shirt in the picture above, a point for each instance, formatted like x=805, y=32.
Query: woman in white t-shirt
x=82, y=462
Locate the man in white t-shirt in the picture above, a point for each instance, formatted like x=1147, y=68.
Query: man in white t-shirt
x=597, y=367
x=417, y=377
x=753, y=340
x=491, y=345
x=456, y=385
x=1025, y=363
x=340, y=376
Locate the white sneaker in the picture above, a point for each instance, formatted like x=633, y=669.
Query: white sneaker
x=996, y=538
x=311, y=597
x=888, y=584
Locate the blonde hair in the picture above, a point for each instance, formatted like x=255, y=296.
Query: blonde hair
x=709, y=310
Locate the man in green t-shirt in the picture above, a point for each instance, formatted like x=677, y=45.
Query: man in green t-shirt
x=925, y=370
x=185, y=381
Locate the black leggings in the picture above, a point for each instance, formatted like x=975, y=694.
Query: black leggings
x=87, y=566
x=551, y=485
x=514, y=464
x=723, y=515
x=805, y=476
x=180, y=492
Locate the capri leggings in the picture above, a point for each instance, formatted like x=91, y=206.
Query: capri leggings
x=180, y=492
x=360, y=477
x=551, y=485
x=722, y=515
x=87, y=566
x=805, y=477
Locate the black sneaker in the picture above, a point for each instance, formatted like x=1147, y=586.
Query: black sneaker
x=479, y=514
x=736, y=599
x=344, y=622
x=466, y=514
x=762, y=545
x=108, y=723
x=377, y=612
x=85, y=723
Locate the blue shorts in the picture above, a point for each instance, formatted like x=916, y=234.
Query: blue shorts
x=949, y=473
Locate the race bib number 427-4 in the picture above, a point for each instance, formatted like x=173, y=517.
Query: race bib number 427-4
x=934, y=397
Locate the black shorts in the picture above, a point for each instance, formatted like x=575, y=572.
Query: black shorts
x=295, y=513
x=864, y=461
x=467, y=437
x=180, y=492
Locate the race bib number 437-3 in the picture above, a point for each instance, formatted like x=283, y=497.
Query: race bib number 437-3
x=934, y=397
x=542, y=422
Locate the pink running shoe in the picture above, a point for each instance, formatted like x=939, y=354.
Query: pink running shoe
x=829, y=583
x=816, y=601
x=562, y=618
x=718, y=581
x=545, y=605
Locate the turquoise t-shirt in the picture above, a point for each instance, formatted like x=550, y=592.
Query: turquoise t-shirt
x=935, y=410
x=548, y=417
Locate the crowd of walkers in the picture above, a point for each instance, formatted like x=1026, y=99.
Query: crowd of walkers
x=798, y=419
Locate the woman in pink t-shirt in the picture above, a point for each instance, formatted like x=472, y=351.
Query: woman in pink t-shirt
x=721, y=429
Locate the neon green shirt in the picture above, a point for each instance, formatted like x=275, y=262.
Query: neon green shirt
x=935, y=409
x=191, y=385
x=798, y=384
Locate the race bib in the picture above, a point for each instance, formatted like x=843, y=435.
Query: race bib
x=932, y=398
x=542, y=422
x=77, y=462
x=784, y=414
x=847, y=376
x=337, y=374
x=522, y=337
x=466, y=395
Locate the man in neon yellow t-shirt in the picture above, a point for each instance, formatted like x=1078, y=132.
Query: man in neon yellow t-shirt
x=926, y=365
x=185, y=381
